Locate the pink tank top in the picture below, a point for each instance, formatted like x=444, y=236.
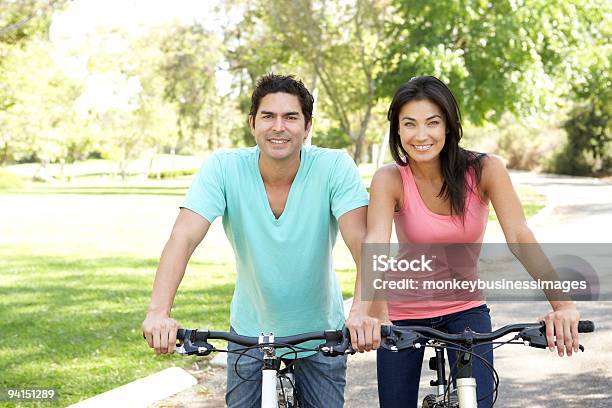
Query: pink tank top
x=417, y=224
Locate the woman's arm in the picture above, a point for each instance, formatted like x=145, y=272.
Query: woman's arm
x=366, y=315
x=496, y=185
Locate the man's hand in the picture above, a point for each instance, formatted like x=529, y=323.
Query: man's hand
x=365, y=331
x=562, y=324
x=160, y=333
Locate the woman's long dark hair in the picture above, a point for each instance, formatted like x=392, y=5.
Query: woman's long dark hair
x=455, y=161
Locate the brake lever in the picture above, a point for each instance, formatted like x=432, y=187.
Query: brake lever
x=398, y=339
x=337, y=343
x=189, y=348
x=536, y=337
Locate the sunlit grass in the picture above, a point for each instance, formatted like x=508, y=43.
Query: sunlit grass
x=531, y=200
x=10, y=181
x=74, y=323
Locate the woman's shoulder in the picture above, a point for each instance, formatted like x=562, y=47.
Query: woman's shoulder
x=493, y=164
x=387, y=181
x=387, y=173
x=493, y=169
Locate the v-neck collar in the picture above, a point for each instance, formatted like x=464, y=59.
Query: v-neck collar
x=262, y=188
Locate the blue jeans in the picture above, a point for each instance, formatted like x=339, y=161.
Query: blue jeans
x=399, y=373
x=319, y=380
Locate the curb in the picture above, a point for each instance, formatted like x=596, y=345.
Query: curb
x=142, y=392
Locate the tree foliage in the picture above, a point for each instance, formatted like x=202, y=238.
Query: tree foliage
x=334, y=45
x=140, y=96
x=497, y=56
x=190, y=57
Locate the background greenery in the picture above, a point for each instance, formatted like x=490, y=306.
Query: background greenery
x=532, y=76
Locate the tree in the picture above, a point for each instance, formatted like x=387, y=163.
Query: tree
x=191, y=55
x=588, y=150
x=335, y=44
x=20, y=23
x=24, y=19
x=40, y=120
x=496, y=56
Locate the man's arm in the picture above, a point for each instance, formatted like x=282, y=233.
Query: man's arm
x=158, y=328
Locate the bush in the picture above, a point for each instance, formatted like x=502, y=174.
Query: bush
x=588, y=151
x=170, y=174
x=334, y=138
x=524, y=144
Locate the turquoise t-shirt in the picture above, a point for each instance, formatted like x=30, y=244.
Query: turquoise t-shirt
x=285, y=280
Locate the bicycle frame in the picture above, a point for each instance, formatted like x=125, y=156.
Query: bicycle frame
x=269, y=372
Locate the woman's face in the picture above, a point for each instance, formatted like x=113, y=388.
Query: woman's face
x=422, y=130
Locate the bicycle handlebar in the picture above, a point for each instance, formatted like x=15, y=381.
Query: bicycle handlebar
x=204, y=335
x=584, y=326
x=401, y=337
x=196, y=341
x=338, y=342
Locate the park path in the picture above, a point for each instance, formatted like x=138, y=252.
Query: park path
x=578, y=210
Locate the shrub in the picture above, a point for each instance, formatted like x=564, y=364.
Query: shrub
x=588, y=151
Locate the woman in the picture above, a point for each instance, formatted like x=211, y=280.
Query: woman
x=437, y=192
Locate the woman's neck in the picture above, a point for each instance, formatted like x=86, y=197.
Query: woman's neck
x=429, y=170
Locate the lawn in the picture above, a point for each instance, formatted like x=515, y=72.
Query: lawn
x=532, y=202
x=76, y=270
x=77, y=261
x=74, y=323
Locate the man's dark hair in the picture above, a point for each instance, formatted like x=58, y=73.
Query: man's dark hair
x=273, y=83
x=455, y=160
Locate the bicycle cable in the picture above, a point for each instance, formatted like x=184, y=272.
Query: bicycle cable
x=490, y=368
x=488, y=365
x=243, y=352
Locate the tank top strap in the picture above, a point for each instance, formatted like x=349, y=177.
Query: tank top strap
x=407, y=183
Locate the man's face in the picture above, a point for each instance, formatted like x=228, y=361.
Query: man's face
x=279, y=128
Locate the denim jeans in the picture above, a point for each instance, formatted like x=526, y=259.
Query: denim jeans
x=319, y=380
x=399, y=373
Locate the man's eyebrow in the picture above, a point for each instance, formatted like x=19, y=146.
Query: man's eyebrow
x=274, y=113
x=429, y=118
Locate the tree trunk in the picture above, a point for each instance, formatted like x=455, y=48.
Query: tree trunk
x=384, y=145
x=5, y=153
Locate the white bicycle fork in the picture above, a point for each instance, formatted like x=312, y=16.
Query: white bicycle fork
x=269, y=398
x=466, y=392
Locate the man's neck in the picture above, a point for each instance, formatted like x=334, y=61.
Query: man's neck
x=279, y=172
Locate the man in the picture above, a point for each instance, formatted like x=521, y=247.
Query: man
x=282, y=204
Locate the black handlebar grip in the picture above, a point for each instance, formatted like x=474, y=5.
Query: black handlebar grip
x=586, y=326
x=180, y=334
x=385, y=331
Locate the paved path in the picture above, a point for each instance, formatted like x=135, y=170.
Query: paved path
x=580, y=210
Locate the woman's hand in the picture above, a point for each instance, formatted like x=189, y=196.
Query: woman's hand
x=562, y=324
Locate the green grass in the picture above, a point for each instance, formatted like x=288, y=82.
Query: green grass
x=102, y=190
x=10, y=181
x=74, y=323
x=532, y=203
